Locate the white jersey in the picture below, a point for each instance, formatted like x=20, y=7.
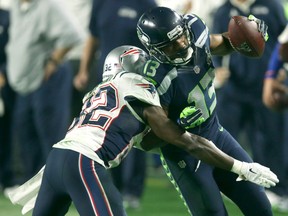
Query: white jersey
x=107, y=122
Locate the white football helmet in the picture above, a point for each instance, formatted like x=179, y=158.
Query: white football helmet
x=124, y=58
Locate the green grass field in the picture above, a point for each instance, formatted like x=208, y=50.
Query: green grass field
x=160, y=199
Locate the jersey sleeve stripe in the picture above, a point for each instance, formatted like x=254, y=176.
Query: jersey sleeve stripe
x=164, y=86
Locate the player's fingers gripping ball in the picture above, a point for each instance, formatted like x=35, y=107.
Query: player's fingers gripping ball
x=190, y=117
x=262, y=27
x=247, y=35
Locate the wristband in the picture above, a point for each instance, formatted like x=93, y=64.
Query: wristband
x=270, y=74
x=237, y=165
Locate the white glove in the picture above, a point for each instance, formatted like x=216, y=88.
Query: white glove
x=255, y=173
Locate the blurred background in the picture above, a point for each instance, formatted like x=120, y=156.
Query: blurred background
x=25, y=143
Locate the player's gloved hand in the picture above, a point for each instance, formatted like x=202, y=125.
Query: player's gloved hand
x=190, y=117
x=255, y=173
x=262, y=27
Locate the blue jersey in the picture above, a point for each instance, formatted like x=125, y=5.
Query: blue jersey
x=191, y=84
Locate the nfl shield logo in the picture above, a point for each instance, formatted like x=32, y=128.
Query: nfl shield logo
x=196, y=69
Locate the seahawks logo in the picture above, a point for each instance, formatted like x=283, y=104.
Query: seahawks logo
x=244, y=47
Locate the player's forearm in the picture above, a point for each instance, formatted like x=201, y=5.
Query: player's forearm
x=88, y=53
x=220, y=45
x=150, y=141
x=197, y=146
x=205, y=151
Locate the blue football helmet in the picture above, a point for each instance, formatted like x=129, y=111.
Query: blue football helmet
x=159, y=30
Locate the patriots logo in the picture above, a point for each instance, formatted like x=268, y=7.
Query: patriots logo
x=130, y=52
x=151, y=88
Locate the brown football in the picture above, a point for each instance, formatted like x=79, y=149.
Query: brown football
x=245, y=37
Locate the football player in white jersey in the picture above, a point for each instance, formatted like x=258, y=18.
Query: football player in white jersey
x=113, y=113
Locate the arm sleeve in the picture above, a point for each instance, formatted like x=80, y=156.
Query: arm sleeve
x=220, y=25
x=275, y=63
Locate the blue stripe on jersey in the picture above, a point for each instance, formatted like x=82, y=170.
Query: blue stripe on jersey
x=275, y=63
x=166, y=82
x=201, y=35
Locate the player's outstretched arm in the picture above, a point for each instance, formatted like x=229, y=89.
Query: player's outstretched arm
x=246, y=35
x=199, y=147
x=220, y=44
x=204, y=149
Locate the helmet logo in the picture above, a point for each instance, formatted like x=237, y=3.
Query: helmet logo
x=175, y=33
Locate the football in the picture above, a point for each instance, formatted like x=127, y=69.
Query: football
x=245, y=37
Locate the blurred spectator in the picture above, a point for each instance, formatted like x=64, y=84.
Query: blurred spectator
x=275, y=97
x=113, y=23
x=275, y=89
x=80, y=9
x=240, y=108
x=274, y=82
x=5, y=4
x=195, y=7
x=40, y=35
x=206, y=12
x=181, y=6
x=6, y=107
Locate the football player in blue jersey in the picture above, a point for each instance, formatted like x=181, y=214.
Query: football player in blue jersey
x=239, y=93
x=182, y=71
x=114, y=117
